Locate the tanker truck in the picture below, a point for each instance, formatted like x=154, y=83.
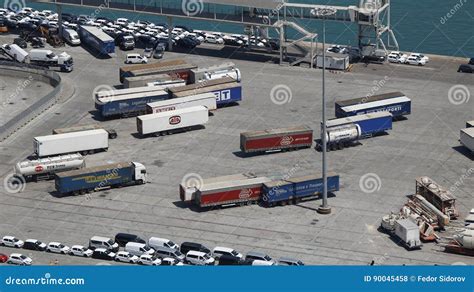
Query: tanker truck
x=341, y=136
x=45, y=168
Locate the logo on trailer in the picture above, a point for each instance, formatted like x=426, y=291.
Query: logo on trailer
x=39, y=168
x=245, y=194
x=287, y=140
x=174, y=120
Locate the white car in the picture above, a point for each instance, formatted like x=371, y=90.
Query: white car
x=397, y=57
x=122, y=21
x=218, y=251
x=148, y=52
x=80, y=251
x=171, y=262
x=262, y=263
x=200, y=38
x=57, y=247
x=415, y=61
x=149, y=260
x=199, y=258
x=421, y=56
x=212, y=39
x=19, y=259
x=126, y=257
x=12, y=241
x=135, y=59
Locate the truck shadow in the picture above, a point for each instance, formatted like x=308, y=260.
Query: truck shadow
x=464, y=151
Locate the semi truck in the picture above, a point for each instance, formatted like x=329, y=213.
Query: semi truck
x=83, y=142
x=163, y=80
x=467, y=138
x=45, y=168
x=47, y=58
x=294, y=190
x=115, y=93
x=112, y=133
x=178, y=67
x=291, y=138
x=206, y=99
x=100, y=177
x=226, y=69
x=226, y=90
x=96, y=39
x=128, y=104
x=339, y=137
x=370, y=124
x=170, y=122
x=395, y=102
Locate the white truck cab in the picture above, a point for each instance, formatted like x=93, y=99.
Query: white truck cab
x=140, y=173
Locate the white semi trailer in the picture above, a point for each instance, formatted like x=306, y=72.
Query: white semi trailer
x=467, y=138
x=83, y=142
x=206, y=99
x=47, y=167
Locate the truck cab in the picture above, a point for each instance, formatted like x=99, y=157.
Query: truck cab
x=140, y=173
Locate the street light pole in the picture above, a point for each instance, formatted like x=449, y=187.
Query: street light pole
x=323, y=13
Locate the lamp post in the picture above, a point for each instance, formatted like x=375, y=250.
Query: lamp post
x=324, y=12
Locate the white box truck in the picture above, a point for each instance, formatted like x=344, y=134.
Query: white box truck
x=206, y=99
x=172, y=121
x=15, y=52
x=408, y=232
x=83, y=142
x=49, y=59
x=467, y=138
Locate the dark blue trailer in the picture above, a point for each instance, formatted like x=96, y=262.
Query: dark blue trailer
x=226, y=90
x=96, y=178
x=96, y=39
x=293, y=190
x=127, y=105
x=370, y=124
x=395, y=102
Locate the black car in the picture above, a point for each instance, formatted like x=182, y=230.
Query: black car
x=471, y=61
x=466, y=68
x=184, y=27
x=187, y=246
x=33, y=244
x=103, y=254
x=232, y=42
x=186, y=43
x=20, y=42
x=123, y=238
x=228, y=260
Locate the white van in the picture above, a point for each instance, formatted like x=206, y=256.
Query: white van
x=138, y=249
x=71, y=37
x=15, y=52
x=103, y=242
x=155, y=242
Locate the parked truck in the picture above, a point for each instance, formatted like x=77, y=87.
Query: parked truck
x=15, y=53
x=226, y=90
x=370, y=124
x=112, y=133
x=45, y=168
x=408, y=232
x=100, y=177
x=395, y=102
x=178, y=67
x=155, y=79
x=49, y=59
x=226, y=69
x=291, y=138
x=467, y=138
x=128, y=104
x=83, y=142
x=96, y=39
x=338, y=137
x=206, y=99
x=169, y=122
x=294, y=190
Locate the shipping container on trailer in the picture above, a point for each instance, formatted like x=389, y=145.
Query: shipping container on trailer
x=206, y=99
x=176, y=71
x=163, y=80
x=132, y=104
x=98, y=40
x=82, y=142
x=100, y=177
x=467, y=138
x=226, y=69
x=46, y=167
x=276, y=139
x=395, y=102
x=126, y=71
x=114, y=93
x=370, y=124
x=226, y=90
x=293, y=190
x=79, y=128
x=230, y=192
x=169, y=122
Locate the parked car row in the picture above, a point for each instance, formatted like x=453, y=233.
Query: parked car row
x=412, y=59
x=156, y=251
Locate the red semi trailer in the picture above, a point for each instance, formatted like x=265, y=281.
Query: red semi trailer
x=276, y=139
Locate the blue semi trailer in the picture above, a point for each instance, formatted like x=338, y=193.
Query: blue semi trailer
x=127, y=105
x=395, y=102
x=293, y=190
x=369, y=124
x=95, y=178
x=96, y=39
